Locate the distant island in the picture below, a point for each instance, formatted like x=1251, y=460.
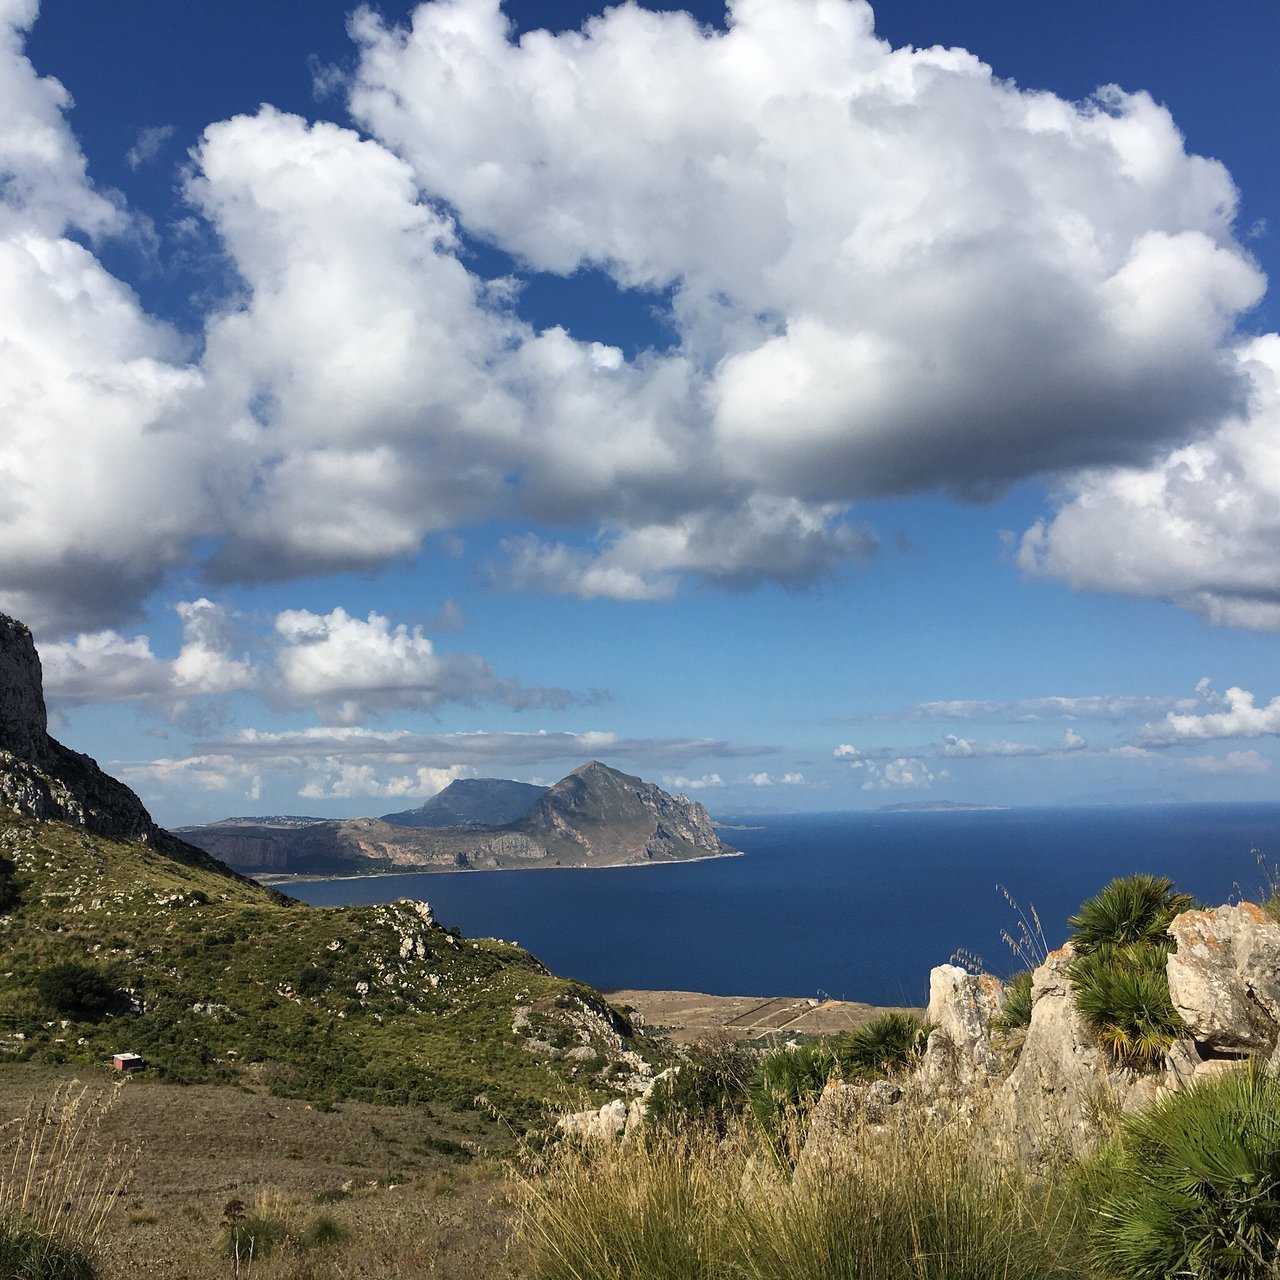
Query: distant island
x=936, y=806
x=596, y=816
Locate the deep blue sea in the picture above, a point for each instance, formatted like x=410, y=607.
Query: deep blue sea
x=859, y=906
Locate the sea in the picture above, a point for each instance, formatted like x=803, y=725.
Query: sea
x=854, y=906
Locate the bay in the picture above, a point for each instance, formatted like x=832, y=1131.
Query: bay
x=858, y=906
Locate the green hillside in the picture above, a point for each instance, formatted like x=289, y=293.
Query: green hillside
x=111, y=946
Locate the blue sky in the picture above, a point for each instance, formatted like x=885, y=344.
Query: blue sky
x=800, y=407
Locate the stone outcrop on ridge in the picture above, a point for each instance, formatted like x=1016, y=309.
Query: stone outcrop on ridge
x=1040, y=1093
x=40, y=778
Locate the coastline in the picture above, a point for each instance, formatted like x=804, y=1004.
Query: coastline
x=276, y=879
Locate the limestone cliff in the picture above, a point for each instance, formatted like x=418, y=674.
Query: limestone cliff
x=40, y=778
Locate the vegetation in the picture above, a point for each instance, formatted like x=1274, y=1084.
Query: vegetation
x=215, y=979
x=709, y=1088
x=77, y=990
x=887, y=1045
x=57, y=1184
x=1121, y=944
x=1130, y=909
x=909, y=1201
x=786, y=1085
x=1195, y=1184
x=1015, y=1013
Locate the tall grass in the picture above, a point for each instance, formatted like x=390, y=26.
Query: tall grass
x=58, y=1181
x=912, y=1200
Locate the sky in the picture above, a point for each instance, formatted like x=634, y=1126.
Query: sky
x=800, y=406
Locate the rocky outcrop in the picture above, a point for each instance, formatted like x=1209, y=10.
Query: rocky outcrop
x=1224, y=978
x=23, y=724
x=962, y=1005
x=1051, y=1102
x=40, y=778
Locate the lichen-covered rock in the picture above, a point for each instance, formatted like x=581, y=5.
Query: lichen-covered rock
x=1052, y=1101
x=1224, y=977
x=959, y=1052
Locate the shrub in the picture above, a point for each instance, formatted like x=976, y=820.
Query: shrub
x=1196, y=1187
x=10, y=898
x=787, y=1083
x=1131, y=909
x=709, y=1087
x=1123, y=993
x=253, y=1236
x=326, y=1233
x=313, y=980
x=889, y=1043
x=1121, y=988
x=28, y=1254
x=1016, y=1010
x=77, y=990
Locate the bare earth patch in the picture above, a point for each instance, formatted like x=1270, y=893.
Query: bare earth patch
x=416, y=1192
x=686, y=1016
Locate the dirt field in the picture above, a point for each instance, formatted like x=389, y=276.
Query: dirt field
x=685, y=1016
x=406, y=1208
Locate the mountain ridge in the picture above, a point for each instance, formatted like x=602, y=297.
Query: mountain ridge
x=595, y=816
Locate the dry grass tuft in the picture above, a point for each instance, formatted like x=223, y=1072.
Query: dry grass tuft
x=58, y=1176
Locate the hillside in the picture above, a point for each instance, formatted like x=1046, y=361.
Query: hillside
x=484, y=802
x=594, y=817
x=136, y=941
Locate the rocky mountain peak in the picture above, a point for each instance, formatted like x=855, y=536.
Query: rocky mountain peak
x=23, y=722
x=40, y=778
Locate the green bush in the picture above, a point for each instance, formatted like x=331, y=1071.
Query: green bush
x=326, y=1233
x=253, y=1236
x=1016, y=1010
x=787, y=1083
x=77, y=991
x=28, y=1254
x=1136, y=908
x=1121, y=947
x=1196, y=1184
x=709, y=1088
x=10, y=898
x=1123, y=993
x=889, y=1043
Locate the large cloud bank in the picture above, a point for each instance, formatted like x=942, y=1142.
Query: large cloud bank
x=886, y=271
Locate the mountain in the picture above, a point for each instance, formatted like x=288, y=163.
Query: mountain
x=117, y=935
x=471, y=802
x=595, y=817
x=599, y=815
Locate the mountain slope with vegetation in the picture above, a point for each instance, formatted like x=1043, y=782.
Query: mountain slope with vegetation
x=117, y=936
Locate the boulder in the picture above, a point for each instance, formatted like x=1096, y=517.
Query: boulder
x=959, y=1053
x=1224, y=977
x=606, y=1124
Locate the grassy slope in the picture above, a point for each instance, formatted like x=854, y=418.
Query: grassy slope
x=231, y=982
